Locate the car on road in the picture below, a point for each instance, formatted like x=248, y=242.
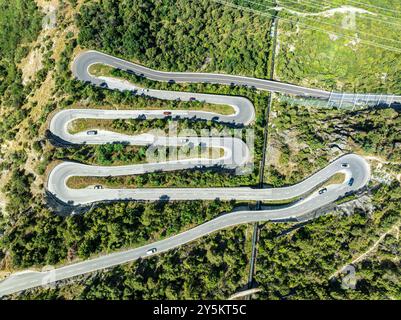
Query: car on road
x=351, y=182
x=104, y=85
x=92, y=132
x=192, y=99
x=324, y=190
x=97, y=187
x=345, y=165
x=151, y=251
x=167, y=113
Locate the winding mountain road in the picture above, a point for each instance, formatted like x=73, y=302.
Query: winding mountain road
x=236, y=154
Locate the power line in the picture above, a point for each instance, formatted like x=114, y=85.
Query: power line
x=398, y=12
x=262, y=13
x=377, y=7
x=332, y=25
x=313, y=4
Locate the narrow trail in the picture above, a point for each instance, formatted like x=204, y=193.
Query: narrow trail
x=361, y=257
x=328, y=13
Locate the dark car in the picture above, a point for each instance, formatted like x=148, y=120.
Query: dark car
x=324, y=190
x=351, y=182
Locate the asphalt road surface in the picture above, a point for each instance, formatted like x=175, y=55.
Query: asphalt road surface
x=236, y=153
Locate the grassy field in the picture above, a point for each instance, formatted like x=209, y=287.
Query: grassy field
x=349, y=50
x=102, y=70
x=336, y=179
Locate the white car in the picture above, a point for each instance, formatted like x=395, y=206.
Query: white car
x=151, y=251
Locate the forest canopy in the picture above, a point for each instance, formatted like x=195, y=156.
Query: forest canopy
x=178, y=35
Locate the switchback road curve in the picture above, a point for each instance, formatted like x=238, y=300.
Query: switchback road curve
x=236, y=154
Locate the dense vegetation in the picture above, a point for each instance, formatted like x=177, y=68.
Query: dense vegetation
x=20, y=23
x=41, y=237
x=178, y=35
x=298, y=265
x=214, y=267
